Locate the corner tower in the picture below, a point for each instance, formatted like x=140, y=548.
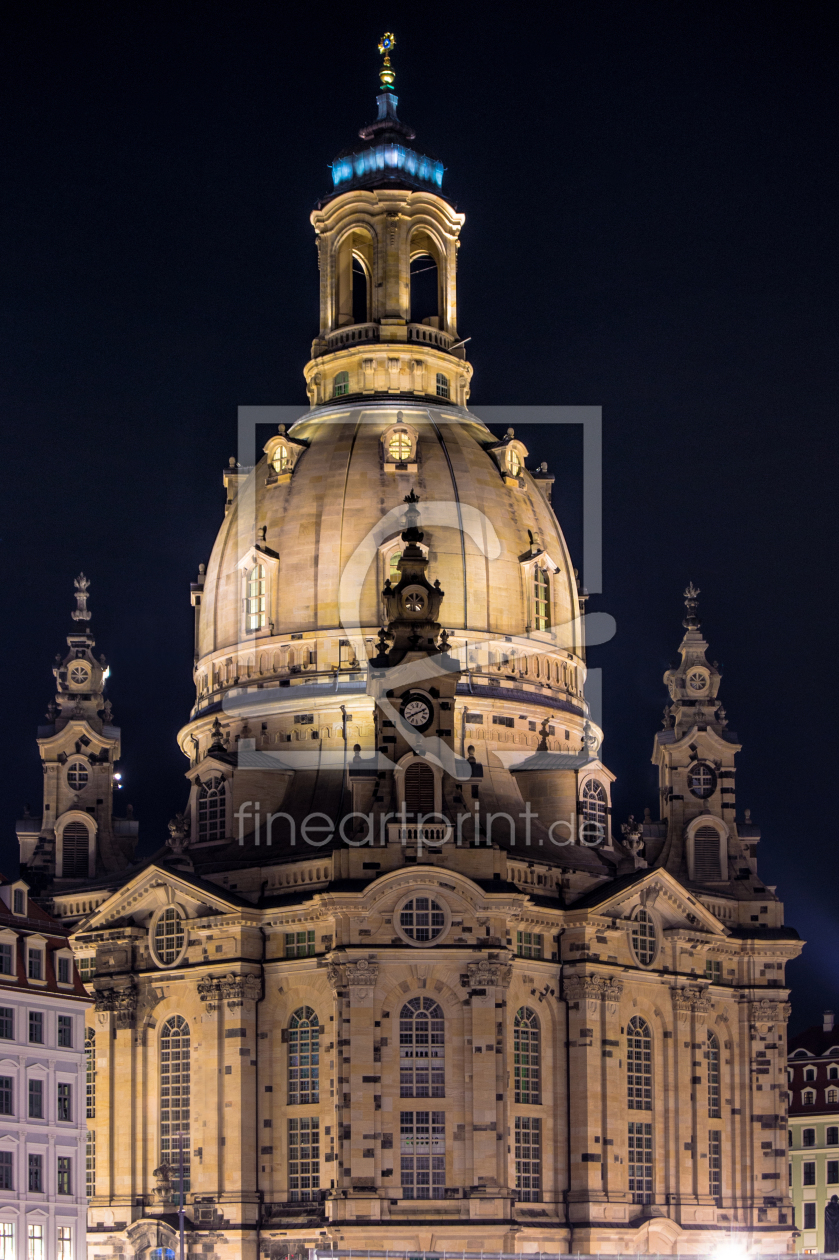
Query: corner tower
x=77, y=837
x=387, y=252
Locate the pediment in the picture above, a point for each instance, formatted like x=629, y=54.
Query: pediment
x=675, y=907
x=154, y=888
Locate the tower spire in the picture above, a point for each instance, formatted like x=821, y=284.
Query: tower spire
x=387, y=74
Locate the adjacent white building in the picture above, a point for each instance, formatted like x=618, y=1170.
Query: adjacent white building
x=43, y=1085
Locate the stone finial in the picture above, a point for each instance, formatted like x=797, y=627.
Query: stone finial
x=178, y=833
x=81, y=612
x=691, y=620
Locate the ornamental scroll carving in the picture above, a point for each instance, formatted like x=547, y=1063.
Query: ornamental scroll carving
x=765, y=1012
x=483, y=975
x=234, y=990
x=686, y=1001
x=121, y=1002
x=593, y=989
x=361, y=976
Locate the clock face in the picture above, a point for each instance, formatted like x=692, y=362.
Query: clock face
x=416, y=711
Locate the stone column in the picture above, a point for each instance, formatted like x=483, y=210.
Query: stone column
x=489, y=1195
x=118, y=1003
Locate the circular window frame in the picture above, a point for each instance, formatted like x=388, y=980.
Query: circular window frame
x=155, y=919
x=434, y=894
x=657, y=926
x=77, y=760
x=697, y=672
x=715, y=782
x=85, y=669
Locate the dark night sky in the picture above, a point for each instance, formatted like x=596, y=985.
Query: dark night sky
x=650, y=192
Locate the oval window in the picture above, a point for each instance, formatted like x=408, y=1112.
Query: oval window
x=702, y=780
x=168, y=938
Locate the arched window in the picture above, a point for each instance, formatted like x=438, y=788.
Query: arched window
x=174, y=1102
x=425, y=291
x=593, y=808
x=212, y=810
x=256, y=610
x=393, y=568
x=75, y=848
x=526, y=1056
x=513, y=462
x=644, y=938
x=706, y=853
x=541, y=600
x=399, y=446
x=419, y=788
x=360, y=291
x=77, y=776
x=303, y=1058
x=169, y=936
x=341, y=385
x=281, y=460
x=442, y=386
x=90, y=1071
x=422, y=1038
x=713, y=1057
x=639, y=1065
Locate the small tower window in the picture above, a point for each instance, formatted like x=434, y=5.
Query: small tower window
x=399, y=446
x=706, y=853
x=281, y=460
x=442, y=386
x=256, y=612
x=702, y=781
x=513, y=462
x=77, y=776
x=212, y=812
x=419, y=788
x=541, y=600
x=593, y=808
x=75, y=845
x=341, y=385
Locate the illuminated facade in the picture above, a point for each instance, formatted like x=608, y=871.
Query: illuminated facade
x=395, y=982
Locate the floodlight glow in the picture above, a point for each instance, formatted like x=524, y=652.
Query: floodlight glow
x=730, y=1250
x=387, y=157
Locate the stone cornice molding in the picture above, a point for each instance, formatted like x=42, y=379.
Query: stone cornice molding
x=687, y=1001
x=234, y=990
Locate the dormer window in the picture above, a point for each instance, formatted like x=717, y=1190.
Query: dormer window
x=256, y=614
x=341, y=385
x=19, y=901
x=399, y=446
x=212, y=810
x=541, y=599
x=443, y=390
x=77, y=776
x=513, y=462
x=281, y=461
x=35, y=964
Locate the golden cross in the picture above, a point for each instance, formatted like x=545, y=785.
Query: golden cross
x=386, y=74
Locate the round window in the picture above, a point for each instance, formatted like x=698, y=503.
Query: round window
x=701, y=780
x=422, y=919
x=77, y=775
x=168, y=937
